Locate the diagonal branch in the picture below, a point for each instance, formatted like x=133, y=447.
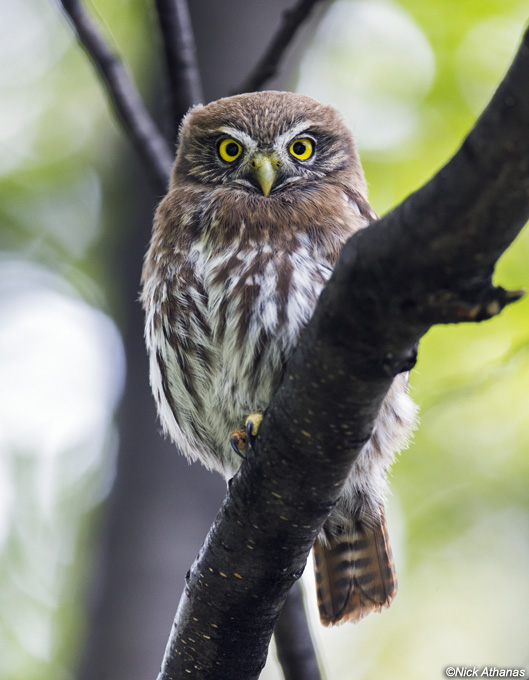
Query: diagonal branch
x=268, y=65
x=429, y=261
x=123, y=96
x=180, y=57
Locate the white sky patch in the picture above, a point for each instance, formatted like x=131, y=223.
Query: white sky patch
x=61, y=374
x=61, y=369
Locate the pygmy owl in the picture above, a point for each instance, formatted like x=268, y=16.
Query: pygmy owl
x=266, y=188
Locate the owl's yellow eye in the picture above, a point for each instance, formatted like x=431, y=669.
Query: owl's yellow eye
x=229, y=150
x=302, y=148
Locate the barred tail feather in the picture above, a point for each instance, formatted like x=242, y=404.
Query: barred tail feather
x=354, y=572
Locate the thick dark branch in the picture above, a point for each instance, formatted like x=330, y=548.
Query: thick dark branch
x=123, y=96
x=429, y=261
x=268, y=65
x=295, y=650
x=180, y=56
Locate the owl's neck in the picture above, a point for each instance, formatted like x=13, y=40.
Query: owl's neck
x=327, y=211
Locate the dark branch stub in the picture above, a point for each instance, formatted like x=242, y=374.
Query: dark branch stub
x=180, y=57
x=123, y=96
x=430, y=257
x=268, y=65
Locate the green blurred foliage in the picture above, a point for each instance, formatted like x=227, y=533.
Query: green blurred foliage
x=412, y=78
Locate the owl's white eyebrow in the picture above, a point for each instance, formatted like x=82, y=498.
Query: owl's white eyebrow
x=239, y=135
x=281, y=140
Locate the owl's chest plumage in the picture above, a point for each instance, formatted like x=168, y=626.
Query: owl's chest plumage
x=225, y=316
x=256, y=300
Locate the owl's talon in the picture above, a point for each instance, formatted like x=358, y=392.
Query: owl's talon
x=253, y=423
x=238, y=442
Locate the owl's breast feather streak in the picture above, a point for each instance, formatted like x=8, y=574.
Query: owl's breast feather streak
x=259, y=299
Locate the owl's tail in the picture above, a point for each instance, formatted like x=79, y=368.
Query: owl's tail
x=354, y=572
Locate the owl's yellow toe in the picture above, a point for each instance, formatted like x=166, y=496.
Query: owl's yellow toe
x=239, y=439
x=253, y=423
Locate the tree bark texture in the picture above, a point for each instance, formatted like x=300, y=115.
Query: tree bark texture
x=428, y=261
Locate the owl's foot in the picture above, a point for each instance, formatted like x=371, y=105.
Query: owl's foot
x=240, y=439
x=239, y=442
x=253, y=423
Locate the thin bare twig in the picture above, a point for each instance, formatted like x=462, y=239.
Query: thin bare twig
x=123, y=95
x=268, y=65
x=295, y=650
x=180, y=57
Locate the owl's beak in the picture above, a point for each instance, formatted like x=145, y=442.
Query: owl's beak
x=265, y=169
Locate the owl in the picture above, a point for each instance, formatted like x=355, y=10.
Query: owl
x=266, y=189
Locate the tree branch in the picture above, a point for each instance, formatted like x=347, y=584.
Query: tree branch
x=428, y=261
x=295, y=650
x=180, y=57
x=268, y=65
x=123, y=96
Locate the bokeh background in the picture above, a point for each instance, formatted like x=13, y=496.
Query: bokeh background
x=99, y=518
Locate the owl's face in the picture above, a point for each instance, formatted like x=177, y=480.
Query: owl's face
x=266, y=144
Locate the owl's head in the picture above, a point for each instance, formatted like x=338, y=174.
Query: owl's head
x=266, y=143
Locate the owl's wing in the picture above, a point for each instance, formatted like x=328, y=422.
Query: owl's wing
x=358, y=214
x=178, y=340
x=362, y=213
x=362, y=207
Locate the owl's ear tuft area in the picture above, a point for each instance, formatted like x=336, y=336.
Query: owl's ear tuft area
x=185, y=125
x=186, y=120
